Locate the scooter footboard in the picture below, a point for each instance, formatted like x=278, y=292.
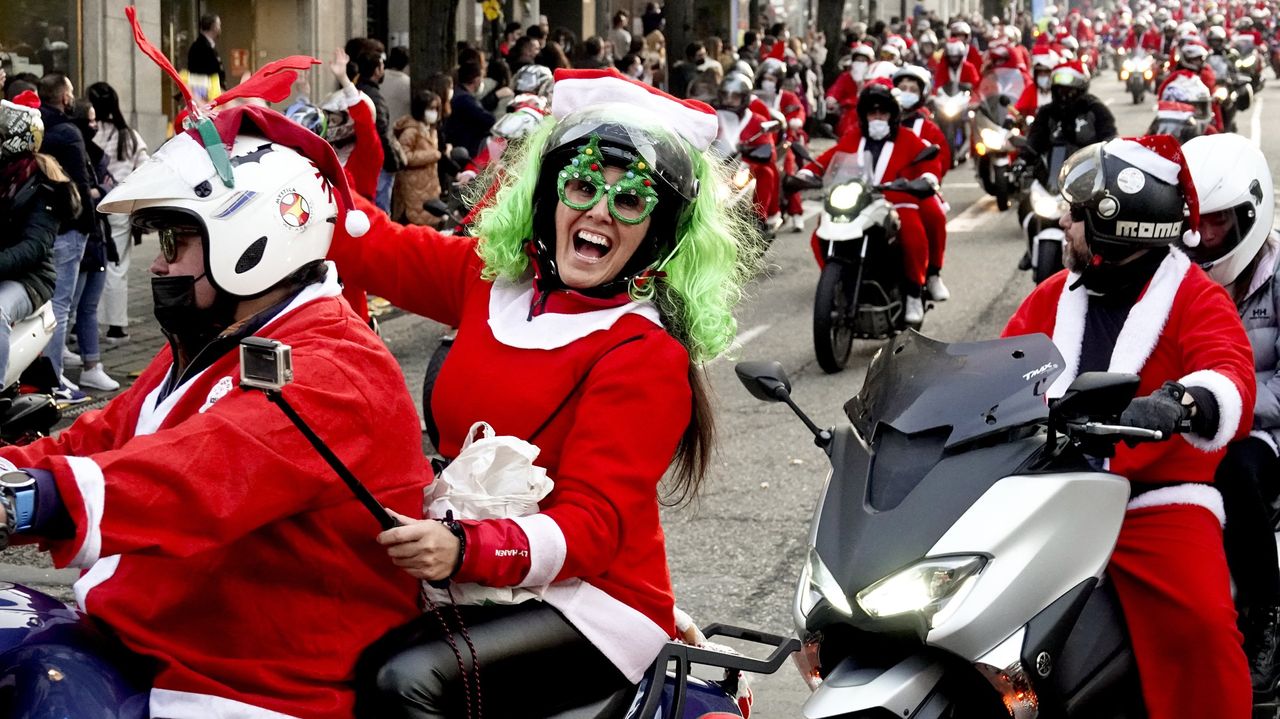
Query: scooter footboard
x=909, y=688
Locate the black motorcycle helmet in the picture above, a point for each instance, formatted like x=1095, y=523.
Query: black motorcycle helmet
x=1070, y=81
x=1125, y=207
x=663, y=155
x=878, y=95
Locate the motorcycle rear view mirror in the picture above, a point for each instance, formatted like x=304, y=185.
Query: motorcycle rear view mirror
x=766, y=381
x=436, y=207
x=1019, y=142
x=769, y=126
x=759, y=153
x=926, y=154
x=1097, y=394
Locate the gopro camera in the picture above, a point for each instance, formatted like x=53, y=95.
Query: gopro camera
x=265, y=364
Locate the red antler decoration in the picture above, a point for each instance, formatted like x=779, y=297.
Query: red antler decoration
x=157, y=57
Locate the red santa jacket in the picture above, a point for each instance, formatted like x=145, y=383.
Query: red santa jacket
x=596, y=549
x=1152, y=41
x=921, y=123
x=1030, y=100
x=1183, y=328
x=219, y=544
x=786, y=104
x=895, y=160
x=1206, y=76
x=845, y=91
x=942, y=74
x=745, y=130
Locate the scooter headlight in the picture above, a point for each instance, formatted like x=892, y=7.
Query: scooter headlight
x=1047, y=205
x=1220, y=93
x=1247, y=61
x=817, y=582
x=844, y=197
x=929, y=588
x=1124, y=74
x=951, y=109
x=741, y=177
x=993, y=138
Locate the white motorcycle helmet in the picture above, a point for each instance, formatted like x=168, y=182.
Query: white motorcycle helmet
x=276, y=216
x=1191, y=91
x=1231, y=176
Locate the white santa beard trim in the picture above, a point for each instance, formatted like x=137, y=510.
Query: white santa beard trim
x=1230, y=408
x=100, y=572
x=190, y=705
x=511, y=325
x=1146, y=321
x=93, y=491
x=1068, y=333
x=698, y=128
x=626, y=637
x=547, y=549
x=1200, y=495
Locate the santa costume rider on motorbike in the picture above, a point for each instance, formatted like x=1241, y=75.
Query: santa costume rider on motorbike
x=741, y=126
x=911, y=86
x=1036, y=93
x=962, y=33
x=892, y=150
x=952, y=67
x=785, y=105
x=842, y=96
x=218, y=547
x=1191, y=63
x=1128, y=302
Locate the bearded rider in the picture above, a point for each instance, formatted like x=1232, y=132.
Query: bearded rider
x=182, y=496
x=911, y=86
x=1130, y=303
x=1239, y=250
x=892, y=152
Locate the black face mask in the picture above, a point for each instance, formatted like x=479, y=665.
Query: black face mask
x=182, y=321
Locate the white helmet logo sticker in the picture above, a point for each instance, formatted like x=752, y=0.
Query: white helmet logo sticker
x=294, y=209
x=1131, y=180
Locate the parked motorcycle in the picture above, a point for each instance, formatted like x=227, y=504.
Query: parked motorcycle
x=859, y=293
x=951, y=111
x=956, y=558
x=1138, y=72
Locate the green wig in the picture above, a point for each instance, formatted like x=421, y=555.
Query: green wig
x=717, y=247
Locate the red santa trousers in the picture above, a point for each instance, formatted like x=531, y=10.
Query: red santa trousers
x=768, y=186
x=1170, y=572
x=791, y=166
x=915, y=246
x=934, y=218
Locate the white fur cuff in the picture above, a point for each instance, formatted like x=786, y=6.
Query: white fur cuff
x=1200, y=495
x=1230, y=408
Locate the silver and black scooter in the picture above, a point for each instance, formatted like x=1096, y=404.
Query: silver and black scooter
x=956, y=562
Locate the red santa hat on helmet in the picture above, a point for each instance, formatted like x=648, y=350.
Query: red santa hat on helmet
x=1075, y=68
x=576, y=90
x=1161, y=157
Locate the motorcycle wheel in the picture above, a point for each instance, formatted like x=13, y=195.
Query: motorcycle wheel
x=1002, y=192
x=832, y=333
x=428, y=385
x=1138, y=96
x=1048, y=261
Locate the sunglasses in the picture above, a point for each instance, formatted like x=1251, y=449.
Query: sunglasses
x=1078, y=213
x=171, y=238
x=626, y=206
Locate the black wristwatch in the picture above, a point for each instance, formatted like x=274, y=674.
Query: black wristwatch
x=461, y=533
x=18, y=497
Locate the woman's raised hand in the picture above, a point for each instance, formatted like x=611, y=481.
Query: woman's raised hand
x=424, y=548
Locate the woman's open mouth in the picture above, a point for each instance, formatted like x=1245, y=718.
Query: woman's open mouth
x=590, y=246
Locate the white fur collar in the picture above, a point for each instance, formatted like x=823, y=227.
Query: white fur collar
x=1141, y=329
x=882, y=163
x=511, y=325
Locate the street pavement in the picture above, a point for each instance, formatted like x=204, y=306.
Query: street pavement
x=736, y=553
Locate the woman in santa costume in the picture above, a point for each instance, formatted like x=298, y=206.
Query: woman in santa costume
x=893, y=151
x=604, y=276
x=1128, y=302
x=217, y=546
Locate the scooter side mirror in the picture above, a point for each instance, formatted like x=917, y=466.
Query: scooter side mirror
x=766, y=381
x=926, y=154
x=1005, y=100
x=1018, y=141
x=1097, y=394
x=460, y=155
x=769, y=126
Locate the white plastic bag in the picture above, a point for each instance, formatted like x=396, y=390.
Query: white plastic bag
x=493, y=477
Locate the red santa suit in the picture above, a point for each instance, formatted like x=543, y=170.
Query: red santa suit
x=1152, y=41
x=1031, y=99
x=1169, y=567
x=933, y=212
x=967, y=74
x=894, y=162
x=216, y=541
x=738, y=130
x=596, y=549
x=362, y=165
x=1210, y=80
x=787, y=105
x=845, y=92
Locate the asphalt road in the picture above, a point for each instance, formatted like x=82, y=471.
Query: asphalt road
x=735, y=555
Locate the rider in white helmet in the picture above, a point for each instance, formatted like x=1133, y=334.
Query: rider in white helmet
x=1239, y=249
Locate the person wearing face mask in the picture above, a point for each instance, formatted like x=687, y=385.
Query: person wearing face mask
x=1073, y=117
x=843, y=93
x=911, y=85
x=418, y=182
x=892, y=150
x=1129, y=302
x=1036, y=93
x=953, y=68
x=785, y=105
x=606, y=271
x=1191, y=63
x=220, y=550
x=740, y=116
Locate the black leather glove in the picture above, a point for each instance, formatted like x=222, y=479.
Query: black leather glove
x=1163, y=411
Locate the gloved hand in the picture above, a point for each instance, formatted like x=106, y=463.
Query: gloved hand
x=1163, y=411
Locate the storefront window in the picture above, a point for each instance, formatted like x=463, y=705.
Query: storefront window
x=41, y=36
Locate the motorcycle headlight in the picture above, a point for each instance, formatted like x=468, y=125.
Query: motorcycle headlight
x=928, y=588
x=1146, y=75
x=1128, y=65
x=993, y=138
x=951, y=109
x=1247, y=61
x=845, y=197
x=741, y=177
x=1124, y=74
x=1046, y=204
x=1220, y=94
x=817, y=583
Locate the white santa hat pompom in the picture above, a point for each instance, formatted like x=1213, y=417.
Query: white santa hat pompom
x=356, y=223
x=1191, y=238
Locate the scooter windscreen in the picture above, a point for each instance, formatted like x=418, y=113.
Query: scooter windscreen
x=978, y=389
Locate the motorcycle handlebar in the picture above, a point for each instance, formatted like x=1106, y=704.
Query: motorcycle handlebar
x=1119, y=431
